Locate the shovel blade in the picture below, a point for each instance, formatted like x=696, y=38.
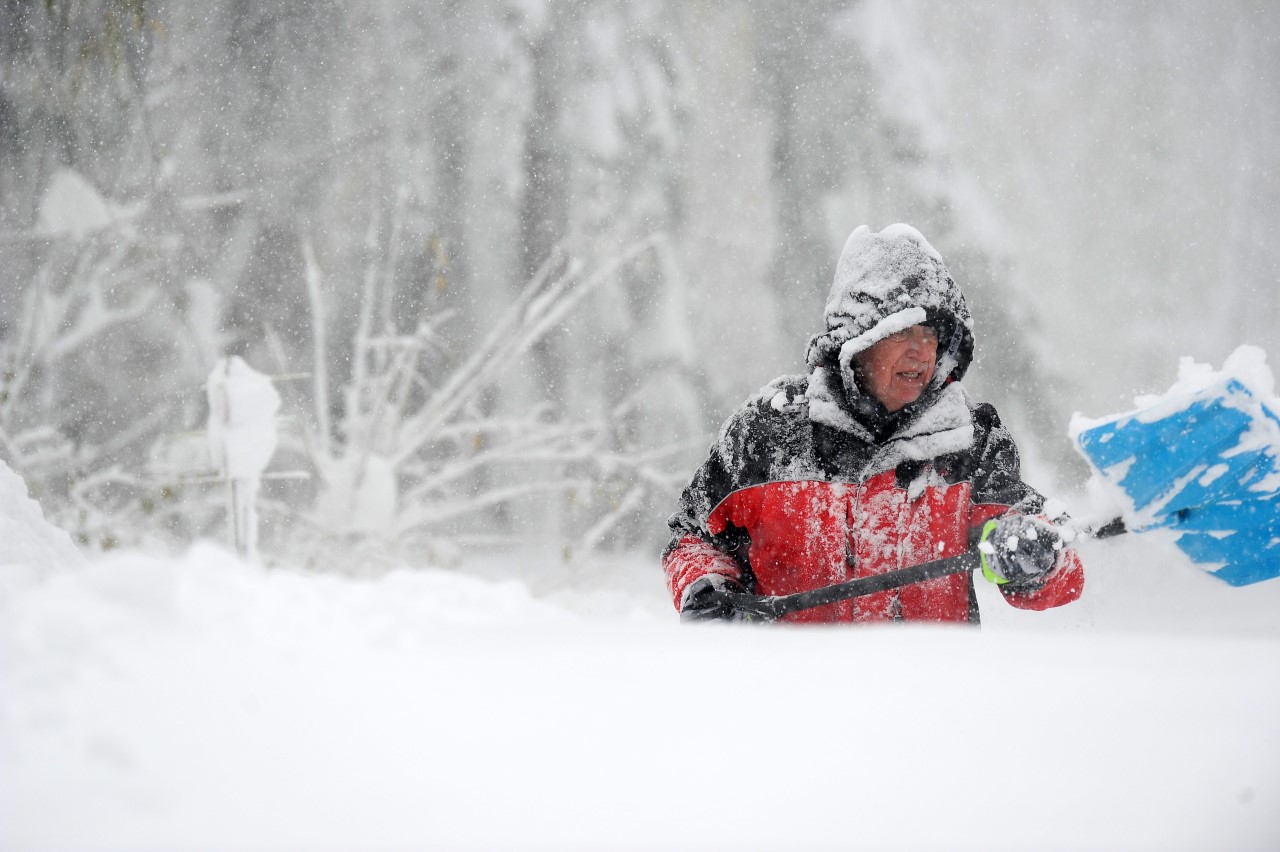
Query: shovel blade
x=1206, y=467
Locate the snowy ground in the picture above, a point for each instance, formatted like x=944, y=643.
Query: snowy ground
x=201, y=703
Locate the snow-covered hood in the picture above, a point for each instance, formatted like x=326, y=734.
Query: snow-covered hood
x=886, y=282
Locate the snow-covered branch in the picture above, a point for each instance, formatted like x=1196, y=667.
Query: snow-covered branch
x=414, y=452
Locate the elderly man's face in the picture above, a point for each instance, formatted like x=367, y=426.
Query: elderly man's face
x=898, y=369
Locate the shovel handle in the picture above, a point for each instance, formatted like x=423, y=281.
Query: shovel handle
x=1113, y=527
x=773, y=607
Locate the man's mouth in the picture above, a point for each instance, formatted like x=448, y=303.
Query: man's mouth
x=911, y=375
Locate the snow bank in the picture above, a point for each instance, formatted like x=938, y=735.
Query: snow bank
x=204, y=703
x=30, y=547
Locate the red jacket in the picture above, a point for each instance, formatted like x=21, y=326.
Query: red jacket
x=787, y=505
x=814, y=482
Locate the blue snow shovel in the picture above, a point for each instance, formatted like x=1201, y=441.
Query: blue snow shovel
x=1205, y=467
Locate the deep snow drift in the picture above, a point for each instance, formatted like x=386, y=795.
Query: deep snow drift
x=201, y=703
x=204, y=703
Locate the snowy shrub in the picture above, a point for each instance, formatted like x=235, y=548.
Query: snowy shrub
x=421, y=458
x=92, y=370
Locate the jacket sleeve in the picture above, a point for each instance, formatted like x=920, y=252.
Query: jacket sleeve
x=998, y=489
x=694, y=552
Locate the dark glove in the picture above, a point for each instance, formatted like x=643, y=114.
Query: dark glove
x=707, y=599
x=1019, y=550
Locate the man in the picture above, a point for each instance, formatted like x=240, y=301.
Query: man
x=875, y=460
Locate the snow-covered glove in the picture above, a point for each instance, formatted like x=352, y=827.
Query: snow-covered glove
x=1018, y=550
x=707, y=599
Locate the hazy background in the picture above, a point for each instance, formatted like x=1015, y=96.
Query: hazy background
x=350, y=195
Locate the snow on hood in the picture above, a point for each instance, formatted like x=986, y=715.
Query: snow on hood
x=886, y=282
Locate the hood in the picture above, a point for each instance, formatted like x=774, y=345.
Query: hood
x=886, y=282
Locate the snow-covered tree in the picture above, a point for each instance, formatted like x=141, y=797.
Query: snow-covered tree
x=182, y=181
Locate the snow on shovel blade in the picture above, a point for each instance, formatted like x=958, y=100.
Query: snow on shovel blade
x=1202, y=463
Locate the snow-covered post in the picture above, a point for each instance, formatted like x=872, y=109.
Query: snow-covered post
x=242, y=437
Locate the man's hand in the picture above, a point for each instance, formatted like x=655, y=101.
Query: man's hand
x=706, y=599
x=1019, y=550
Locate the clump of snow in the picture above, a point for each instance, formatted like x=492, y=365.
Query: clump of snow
x=888, y=326
x=242, y=419
x=360, y=494
x=30, y=546
x=1246, y=364
x=242, y=438
x=71, y=206
x=902, y=230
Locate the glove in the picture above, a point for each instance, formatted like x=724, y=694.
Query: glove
x=707, y=599
x=1019, y=550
